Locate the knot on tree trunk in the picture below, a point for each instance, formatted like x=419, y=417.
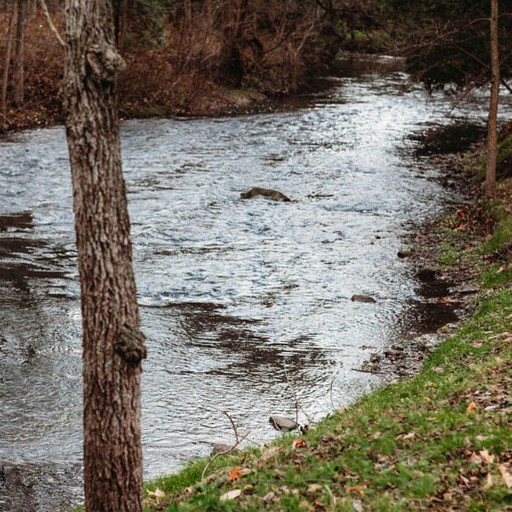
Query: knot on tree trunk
x=130, y=344
x=104, y=62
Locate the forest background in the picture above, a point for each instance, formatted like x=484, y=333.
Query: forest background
x=211, y=57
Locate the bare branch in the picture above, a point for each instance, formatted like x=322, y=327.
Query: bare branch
x=238, y=440
x=234, y=427
x=49, y=20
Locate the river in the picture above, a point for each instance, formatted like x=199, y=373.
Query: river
x=246, y=304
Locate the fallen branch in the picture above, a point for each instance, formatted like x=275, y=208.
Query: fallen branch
x=238, y=441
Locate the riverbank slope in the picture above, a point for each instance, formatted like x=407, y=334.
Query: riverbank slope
x=439, y=441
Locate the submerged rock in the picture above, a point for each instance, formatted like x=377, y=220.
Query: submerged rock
x=283, y=424
x=269, y=193
x=362, y=298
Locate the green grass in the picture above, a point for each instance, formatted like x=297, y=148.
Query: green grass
x=416, y=442
x=439, y=441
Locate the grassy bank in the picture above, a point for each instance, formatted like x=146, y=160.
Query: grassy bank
x=440, y=441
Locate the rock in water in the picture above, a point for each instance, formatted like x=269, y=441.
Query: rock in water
x=362, y=298
x=283, y=424
x=269, y=193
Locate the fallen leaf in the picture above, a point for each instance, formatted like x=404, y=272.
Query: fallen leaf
x=231, y=495
x=486, y=456
x=358, y=488
x=234, y=474
x=377, y=435
x=475, y=459
x=269, y=496
x=410, y=435
x=488, y=482
x=157, y=493
x=315, y=487
x=270, y=453
x=358, y=506
x=471, y=407
x=507, y=477
x=298, y=443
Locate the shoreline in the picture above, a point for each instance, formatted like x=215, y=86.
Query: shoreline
x=285, y=476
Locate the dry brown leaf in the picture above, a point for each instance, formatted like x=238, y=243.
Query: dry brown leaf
x=315, y=488
x=488, y=481
x=157, y=493
x=299, y=443
x=234, y=474
x=486, y=456
x=231, y=495
x=269, y=496
x=475, y=459
x=358, y=488
x=269, y=453
x=471, y=407
x=507, y=477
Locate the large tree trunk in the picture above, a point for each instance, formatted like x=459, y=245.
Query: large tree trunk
x=113, y=346
x=492, y=137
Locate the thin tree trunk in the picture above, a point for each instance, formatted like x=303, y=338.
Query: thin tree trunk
x=19, y=65
x=120, y=18
x=113, y=345
x=492, y=137
x=7, y=62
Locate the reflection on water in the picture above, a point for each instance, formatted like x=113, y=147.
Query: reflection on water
x=246, y=304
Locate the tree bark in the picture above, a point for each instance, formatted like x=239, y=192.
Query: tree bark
x=492, y=137
x=113, y=345
x=7, y=62
x=19, y=65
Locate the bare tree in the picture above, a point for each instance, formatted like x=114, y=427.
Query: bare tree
x=492, y=137
x=113, y=345
x=19, y=64
x=7, y=63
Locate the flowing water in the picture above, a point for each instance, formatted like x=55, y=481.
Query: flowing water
x=246, y=304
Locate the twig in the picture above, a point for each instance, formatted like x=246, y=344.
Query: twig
x=373, y=372
x=330, y=391
x=229, y=450
x=237, y=442
x=233, y=448
x=49, y=20
x=298, y=405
